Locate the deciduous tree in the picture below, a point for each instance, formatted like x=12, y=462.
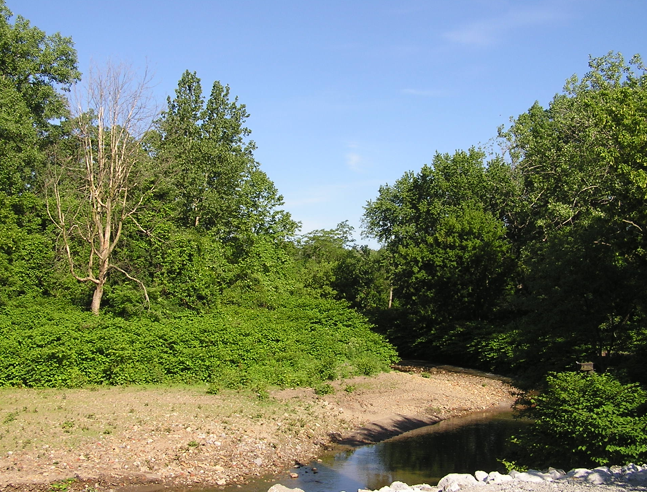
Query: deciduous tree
x=34, y=69
x=102, y=183
x=452, y=261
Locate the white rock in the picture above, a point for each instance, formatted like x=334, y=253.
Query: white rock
x=481, y=476
x=598, y=477
x=496, y=477
x=536, y=477
x=282, y=488
x=423, y=487
x=546, y=476
x=556, y=474
x=399, y=486
x=578, y=473
x=456, y=481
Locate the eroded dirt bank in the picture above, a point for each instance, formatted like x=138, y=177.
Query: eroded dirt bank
x=110, y=438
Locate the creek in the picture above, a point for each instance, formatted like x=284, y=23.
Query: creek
x=424, y=455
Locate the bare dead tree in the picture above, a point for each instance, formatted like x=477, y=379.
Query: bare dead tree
x=95, y=189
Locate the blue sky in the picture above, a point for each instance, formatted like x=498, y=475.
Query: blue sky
x=346, y=95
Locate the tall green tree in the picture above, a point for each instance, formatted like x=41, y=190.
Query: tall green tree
x=217, y=183
x=451, y=259
x=222, y=213
x=35, y=72
x=581, y=164
x=34, y=69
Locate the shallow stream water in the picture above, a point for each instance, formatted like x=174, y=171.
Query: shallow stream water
x=425, y=455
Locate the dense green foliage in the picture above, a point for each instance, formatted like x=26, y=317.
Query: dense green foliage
x=33, y=67
x=304, y=342
x=529, y=261
x=451, y=261
x=585, y=420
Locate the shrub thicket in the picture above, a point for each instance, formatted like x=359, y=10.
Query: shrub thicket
x=584, y=420
x=305, y=342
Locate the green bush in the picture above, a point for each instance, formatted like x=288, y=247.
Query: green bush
x=304, y=342
x=584, y=420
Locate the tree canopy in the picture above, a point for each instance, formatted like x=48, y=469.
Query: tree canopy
x=34, y=69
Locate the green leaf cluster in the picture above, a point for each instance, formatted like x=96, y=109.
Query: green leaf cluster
x=34, y=68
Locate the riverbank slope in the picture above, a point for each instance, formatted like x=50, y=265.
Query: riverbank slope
x=107, y=438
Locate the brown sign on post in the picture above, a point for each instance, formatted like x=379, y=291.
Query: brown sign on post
x=586, y=367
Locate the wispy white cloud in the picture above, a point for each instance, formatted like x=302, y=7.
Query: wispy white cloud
x=490, y=31
x=354, y=161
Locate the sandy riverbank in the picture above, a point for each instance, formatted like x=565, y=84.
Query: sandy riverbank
x=109, y=438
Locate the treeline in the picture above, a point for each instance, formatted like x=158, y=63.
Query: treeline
x=522, y=261
x=533, y=258
x=109, y=206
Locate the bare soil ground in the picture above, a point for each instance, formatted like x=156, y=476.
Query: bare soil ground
x=115, y=438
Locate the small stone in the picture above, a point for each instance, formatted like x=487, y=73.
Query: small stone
x=282, y=488
x=481, y=476
x=529, y=477
x=578, y=473
x=556, y=474
x=638, y=477
x=424, y=487
x=294, y=475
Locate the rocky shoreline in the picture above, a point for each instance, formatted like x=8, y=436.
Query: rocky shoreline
x=616, y=478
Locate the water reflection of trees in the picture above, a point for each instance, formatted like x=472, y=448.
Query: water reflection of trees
x=454, y=449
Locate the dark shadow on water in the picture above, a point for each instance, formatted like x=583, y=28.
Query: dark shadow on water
x=381, y=431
